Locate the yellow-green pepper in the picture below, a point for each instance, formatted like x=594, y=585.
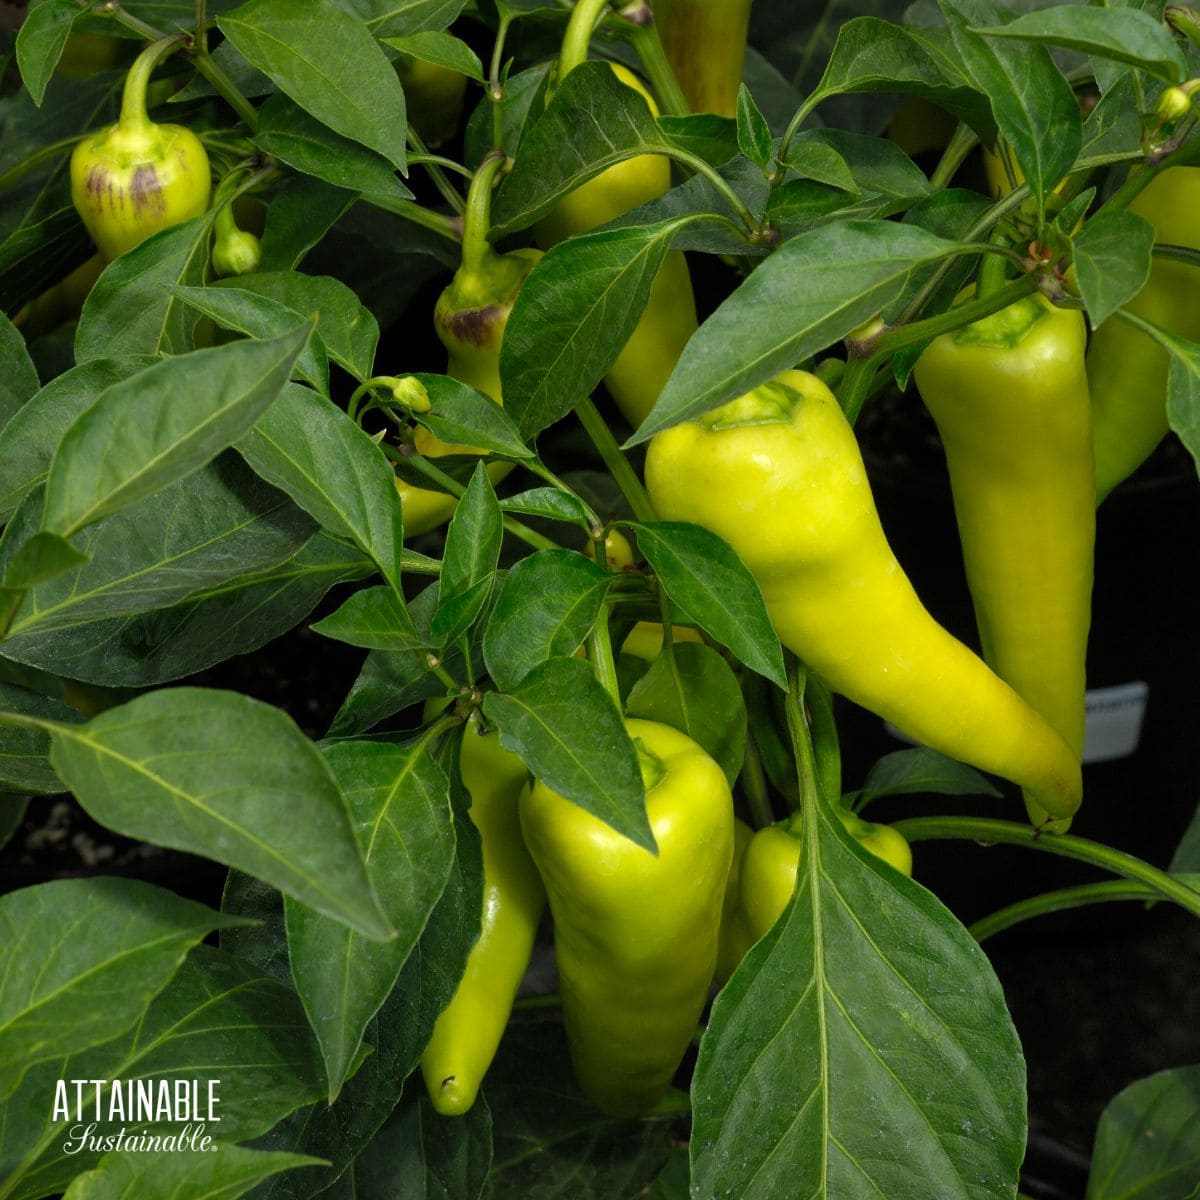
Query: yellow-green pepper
x=705, y=43
x=777, y=473
x=737, y=935
x=635, y=934
x=469, y=1029
x=1009, y=395
x=134, y=178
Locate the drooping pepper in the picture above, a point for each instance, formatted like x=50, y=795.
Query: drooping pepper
x=669, y=319
x=636, y=935
x=705, y=42
x=132, y=179
x=469, y=1029
x=1127, y=369
x=736, y=934
x=469, y=318
x=777, y=473
x=235, y=251
x=772, y=859
x=1009, y=396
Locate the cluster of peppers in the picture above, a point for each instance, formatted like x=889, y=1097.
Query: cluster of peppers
x=1037, y=428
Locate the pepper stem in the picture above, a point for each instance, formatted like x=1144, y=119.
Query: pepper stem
x=584, y=17
x=133, y=98
x=477, y=253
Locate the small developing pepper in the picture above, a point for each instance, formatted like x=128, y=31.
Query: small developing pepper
x=636, y=935
x=777, y=473
x=134, y=178
x=469, y=1029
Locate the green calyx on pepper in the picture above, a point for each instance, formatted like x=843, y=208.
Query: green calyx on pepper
x=1009, y=395
x=790, y=494
x=469, y=318
x=468, y=1030
x=134, y=178
x=636, y=934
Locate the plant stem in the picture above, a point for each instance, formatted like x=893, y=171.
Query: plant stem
x=1062, y=900
x=601, y=654
x=645, y=40
x=133, y=98
x=201, y=28
x=495, y=89
x=585, y=16
x=449, y=227
x=987, y=830
x=754, y=785
x=801, y=735
x=136, y=24
x=801, y=115
x=961, y=144
x=476, y=249
x=616, y=462
x=443, y=185
x=718, y=181
x=207, y=66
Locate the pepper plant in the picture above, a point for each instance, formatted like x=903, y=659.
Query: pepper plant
x=520, y=351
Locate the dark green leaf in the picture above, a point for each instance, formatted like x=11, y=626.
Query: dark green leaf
x=552, y=504
x=815, y=160
x=592, y=122
x=753, y=133
x=921, y=772
x=852, y=270
x=712, y=138
x=547, y=606
x=402, y=18
x=19, y=380
x=314, y=452
x=573, y=316
x=129, y=309
x=398, y=799
x=568, y=731
x=162, y=424
x=300, y=214
x=702, y=575
x=1112, y=261
x=40, y=42
x=695, y=691
x=289, y=133
x=1117, y=33
x=185, y=768
x=463, y=415
x=441, y=49
x=374, y=618
x=1113, y=130
x=43, y=557
x=1148, y=1140
x=66, y=994
x=1034, y=105
x=472, y=541
x=329, y=63
x=883, y=1081
x=24, y=763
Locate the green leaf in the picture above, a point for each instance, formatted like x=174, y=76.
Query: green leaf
x=1113, y=130
x=815, y=160
x=40, y=42
x=224, y=1176
x=329, y=63
x=417, y=1154
x=302, y=211
x=162, y=424
x=129, y=310
x=348, y=330
x=43, y=557
x=403, y=18
x=568, y=731
x=28, y=441
x=463, y=416
x=470, y=558
x=852, y=270
x=314, y=452
x=549, y=503
x=753, y=133
x=592, y=122
x=374, y=618
x=199, y=533
x=703, y=575
x=443, y=50
x=1148, y=1140
x=290, y=134
x=209, y=626
x=12, y=814
x=695, y=690
x=260, y=317
x=185, y=768
x=883, y=1080
x=712, y=138
x=398, y=799
x=81, y=959
x=1034, y=105
x=872, y=55
x=535, y=1102
x=218, y=1020
x=573, y=316
x=547, y=606
x=19, y=380
x=1112, y=260
x=921, y=772
x=872, y=165
x=24, y=764
x=1117, y=33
